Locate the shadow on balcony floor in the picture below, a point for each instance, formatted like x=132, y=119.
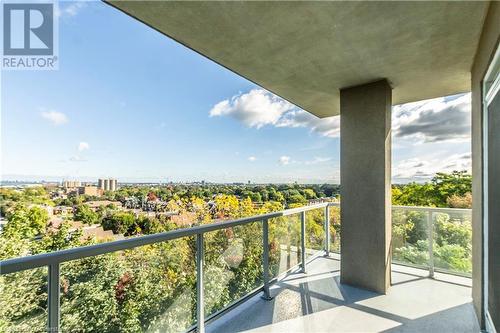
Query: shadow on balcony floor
x=317, y=302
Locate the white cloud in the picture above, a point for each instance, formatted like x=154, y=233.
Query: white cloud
x=69, y=9
x=259, y=108
x=255, y=108
x=83, y=146
x=284, y=160
x=318, y=160
x=435, y=120
x=56, y=118
x=252, y=158
x=329, y=127
x=424, y=168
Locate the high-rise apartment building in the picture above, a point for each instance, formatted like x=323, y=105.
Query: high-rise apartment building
x=112, y=184
x=71, y=183
x=107, y=184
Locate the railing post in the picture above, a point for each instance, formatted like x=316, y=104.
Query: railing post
x=265, y=259
x=430, y=228
x=327, y=231
x=200, y=301
x=303, y=239
x=53, y=298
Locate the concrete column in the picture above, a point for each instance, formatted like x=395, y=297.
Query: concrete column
x=365, y=180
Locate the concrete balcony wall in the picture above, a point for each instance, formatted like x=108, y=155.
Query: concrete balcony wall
x=489, y=41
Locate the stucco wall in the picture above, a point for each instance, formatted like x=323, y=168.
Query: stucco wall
x=365, y=178
x=487, y=45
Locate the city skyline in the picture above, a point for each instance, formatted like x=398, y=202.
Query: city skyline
x=165, y=113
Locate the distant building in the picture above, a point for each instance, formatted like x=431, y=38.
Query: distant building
x=107, y=184
x=71, y=183
x=112, y=185
x=90, y=190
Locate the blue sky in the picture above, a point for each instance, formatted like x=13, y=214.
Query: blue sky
x=129, y=103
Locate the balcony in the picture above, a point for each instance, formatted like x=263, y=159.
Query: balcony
x=318, y=302
x=274, y=272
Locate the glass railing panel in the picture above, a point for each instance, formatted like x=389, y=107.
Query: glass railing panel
x=452, y=246
x=410, y=237
x=315, y=231
x=232, y=266
x=284, y=240
x=23, y=301
x=334, y=228
x=150, y=288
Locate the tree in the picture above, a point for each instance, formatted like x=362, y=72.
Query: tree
x=435, y=193
x=121, y=223
x=26, y=223
x=60, y=238
x=457, y=201
x=309, y=193
x=86, y=215
x=456, y=183
x=296, y=198
x=227, y=206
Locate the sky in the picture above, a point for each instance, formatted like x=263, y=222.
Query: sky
x=128, y=102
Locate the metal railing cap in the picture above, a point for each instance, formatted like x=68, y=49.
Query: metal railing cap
x=44, y=259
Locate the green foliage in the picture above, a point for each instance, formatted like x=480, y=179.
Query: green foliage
x=121, y=223
x=23, y=301
x=86, y=215
x=436, y=193
x=58, y=239
x=457, y=183
x=130, y=290
x=25, y=222
x=415, y=254
x=452, y=257
x=290, y=194
x=453, y=232
x=452, y=240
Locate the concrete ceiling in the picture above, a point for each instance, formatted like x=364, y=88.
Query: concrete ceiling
x=306, y=51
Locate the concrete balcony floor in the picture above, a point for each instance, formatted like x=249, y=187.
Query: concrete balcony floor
x=317, y=302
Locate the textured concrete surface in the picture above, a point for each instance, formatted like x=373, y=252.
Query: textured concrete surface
x=318, y=302
x=365, y=175
x=306, y=51
x=489, y=41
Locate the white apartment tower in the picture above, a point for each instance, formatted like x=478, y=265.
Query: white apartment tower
x=107, y=184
